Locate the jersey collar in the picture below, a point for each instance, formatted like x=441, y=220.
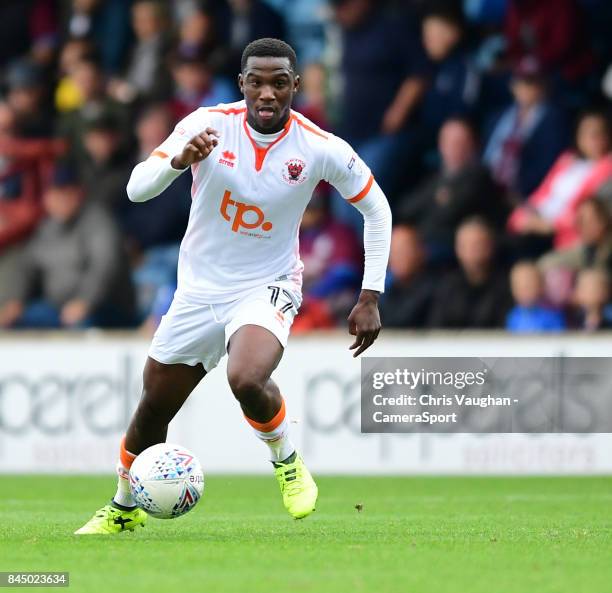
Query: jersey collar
x=262, y=151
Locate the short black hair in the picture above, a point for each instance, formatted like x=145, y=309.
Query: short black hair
x=467, y=122
x=448, y=13
x=267, y=47
x=480, y=221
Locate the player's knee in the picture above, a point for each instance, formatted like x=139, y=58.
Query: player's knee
x=245, y=385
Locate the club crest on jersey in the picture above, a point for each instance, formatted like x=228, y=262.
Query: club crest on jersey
x=293, y=172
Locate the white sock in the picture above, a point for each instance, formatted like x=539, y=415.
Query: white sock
x=275, y=433
x=124, y=494
x=278, y=441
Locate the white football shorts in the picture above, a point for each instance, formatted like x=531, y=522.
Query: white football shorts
x=192, y=334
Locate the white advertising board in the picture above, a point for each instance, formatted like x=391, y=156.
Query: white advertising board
x=65, y=402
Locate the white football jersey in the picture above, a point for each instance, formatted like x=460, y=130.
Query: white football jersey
x=248, y=201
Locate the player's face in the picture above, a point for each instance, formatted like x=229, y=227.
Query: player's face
x=268, y=86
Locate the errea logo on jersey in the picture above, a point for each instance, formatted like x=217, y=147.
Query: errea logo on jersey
x=227, y=158
x=241, y=215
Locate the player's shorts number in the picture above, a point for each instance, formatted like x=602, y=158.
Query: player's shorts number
x=287, y=299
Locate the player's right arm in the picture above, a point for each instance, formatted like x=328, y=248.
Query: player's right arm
x=190, y=142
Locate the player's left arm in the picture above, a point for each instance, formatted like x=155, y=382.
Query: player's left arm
x=355, y=182
x=364, y=319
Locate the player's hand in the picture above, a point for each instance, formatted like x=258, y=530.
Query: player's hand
x=364, y=321
x=74, y=312
x=197, y=149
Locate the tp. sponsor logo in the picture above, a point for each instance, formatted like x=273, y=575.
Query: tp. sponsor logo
x=241, y=215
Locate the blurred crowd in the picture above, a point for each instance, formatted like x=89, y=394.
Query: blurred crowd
x=486, y=123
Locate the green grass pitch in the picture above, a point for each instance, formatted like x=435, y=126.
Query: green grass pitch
x=460, y=535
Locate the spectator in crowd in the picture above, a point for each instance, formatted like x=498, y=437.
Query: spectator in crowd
x=528, y=136
x=28, y=98
x=591, y=299
x=476, y=295
x=460, y=189
x=305, y=22
x=384, y=69
x=75, y=258
x=67, y=96
x=410, y=286
x=27, y=27
x=90, y=82
x=549, y=214
x=153, y=230
x=594, y=248
x=242, y=21
x=106, y=168
x=486, y=12
x=529, y=313
x=332, y=266
x=199, y=35
x=146, y=77
x=553, y=32
x=311, y=101
x=454, y=85
x=103, y=22
x=24, y=167
x=196, y=85
x=163, y=220
x=19, y=206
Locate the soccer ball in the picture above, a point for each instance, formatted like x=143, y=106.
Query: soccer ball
x=166, y=480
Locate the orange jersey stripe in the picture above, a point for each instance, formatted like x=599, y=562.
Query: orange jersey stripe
x=271, y=424
x=309, y=128
x=364, y=192
x=231, y=111
x=260, y=151
x=159, y=153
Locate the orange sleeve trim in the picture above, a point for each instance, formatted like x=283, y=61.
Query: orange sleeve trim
x=231, y=111
x=125, y=456
x=310, y=128
x=271, y=424
x=364, y=192
x=159, y=153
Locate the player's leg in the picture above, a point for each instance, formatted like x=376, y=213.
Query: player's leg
x=254, y=353
x=165, y=389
